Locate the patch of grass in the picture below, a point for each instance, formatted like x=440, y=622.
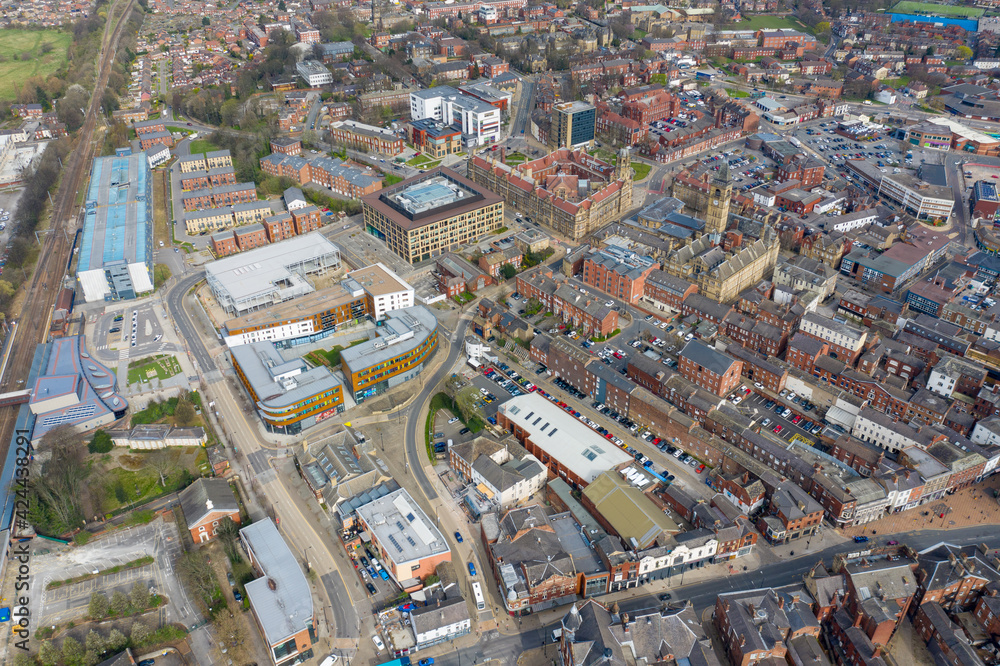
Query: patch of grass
x=932, y=8
x=438, y=402
x=331, y=357
x=500, y=230
x=516, y=158
x=161, y=367
x=736, y=92
x=419, y=161
x=772, y=23
x=641, y=170
x=182, y=130
x=23, y=56
x=391, y=179
x=161, y=273
x=202, y=146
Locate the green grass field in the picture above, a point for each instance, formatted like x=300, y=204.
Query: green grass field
x=912, y=7
x=161, y=367
x=202, y=146
x=736, y=92
x=641, y=170
x=15, y=44
x=771, y=23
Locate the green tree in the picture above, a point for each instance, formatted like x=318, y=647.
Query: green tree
x=140, y=633
x=98, y=606
x=116, y=641
x=963, y=52
x=184, y=412
x=118, y=605
x=101, y=443
x=822, y=27
x=205, y=21
x=508, y=271
x=48, y=654
x=96, y=643
x=139, y=596
x=73, y=653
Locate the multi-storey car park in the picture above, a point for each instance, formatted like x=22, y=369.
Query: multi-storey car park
x=271, y=274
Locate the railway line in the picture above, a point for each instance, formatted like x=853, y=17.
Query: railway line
x=55, y=254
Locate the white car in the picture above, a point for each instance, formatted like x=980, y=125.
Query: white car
x=610, y=304
x=379, y=645
x=452, y=420
x=737, y=400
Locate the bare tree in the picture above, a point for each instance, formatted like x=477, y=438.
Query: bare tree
x=162, y=461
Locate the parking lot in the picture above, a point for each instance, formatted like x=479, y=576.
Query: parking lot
x=756, y=404
x=128, y=327
x=158, y=539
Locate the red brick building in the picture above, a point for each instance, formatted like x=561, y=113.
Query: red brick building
x=286, y=146
x=708, y=368
x=667, y=291
x=224, y=244
x=307, y=219
x=614, y=273
x=279, y=227
x=250, y=236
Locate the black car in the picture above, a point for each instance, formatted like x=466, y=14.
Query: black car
x=237, y=595
x=464, y=431
x=371, y=588
x=364, y=560
x=664, y=597
x=149, y=662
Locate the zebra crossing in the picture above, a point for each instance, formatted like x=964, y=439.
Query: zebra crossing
x=123, y=354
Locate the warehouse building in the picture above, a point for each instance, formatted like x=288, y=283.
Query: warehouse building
x=116, y=248
x=406, y=341
x=271, y=274
x=570, y=449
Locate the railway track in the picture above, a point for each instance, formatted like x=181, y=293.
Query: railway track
x=54, y=256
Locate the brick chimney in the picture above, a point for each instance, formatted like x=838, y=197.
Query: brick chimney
x=781, y=602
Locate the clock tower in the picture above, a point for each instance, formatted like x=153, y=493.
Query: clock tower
x=720, y=189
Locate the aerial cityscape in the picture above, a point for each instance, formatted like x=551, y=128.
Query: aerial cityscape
x=500, y=332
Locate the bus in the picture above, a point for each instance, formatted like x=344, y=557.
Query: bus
x=477, y=592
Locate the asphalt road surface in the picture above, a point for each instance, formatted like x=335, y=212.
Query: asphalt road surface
x=413, y=451
x=186, y=328
x=704, y=594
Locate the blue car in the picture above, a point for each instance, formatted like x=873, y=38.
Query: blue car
x=472, y=569
x=458, y=537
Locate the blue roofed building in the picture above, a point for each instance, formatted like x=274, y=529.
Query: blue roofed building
x=116, y=249
x=72, y=388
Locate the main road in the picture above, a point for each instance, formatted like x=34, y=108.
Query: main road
x=507, y=648
x=415, y=453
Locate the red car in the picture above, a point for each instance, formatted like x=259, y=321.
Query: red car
x=700, y=469
x=656, y=441
x=777, y=430
x=796, y=419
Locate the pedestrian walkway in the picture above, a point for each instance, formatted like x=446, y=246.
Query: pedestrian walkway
x=975, y=505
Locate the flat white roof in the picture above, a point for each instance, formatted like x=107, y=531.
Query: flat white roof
x=564, y=437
